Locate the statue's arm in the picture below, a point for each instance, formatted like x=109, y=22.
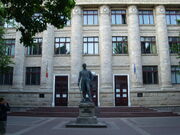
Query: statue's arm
x=91, y=76
x=79, y=78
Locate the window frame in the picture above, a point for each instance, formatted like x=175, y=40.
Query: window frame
x=121, y=43
x=154, y=74
x=9, y=75
x=10, y=46
x=151, y=40
x=173, y=43
x=176, y=71
x=31, y=73
x=146, y=13
x=87, y=15
x=67, y=40
x=10, y=24
x=31, y=49
x=115, y=14
x=169, y=15
x=93, y=42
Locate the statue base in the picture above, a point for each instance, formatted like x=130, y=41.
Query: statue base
x=86, y=117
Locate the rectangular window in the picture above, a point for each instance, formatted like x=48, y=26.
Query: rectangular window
x=174, y=44
x=146, y=17
x=150, y=74
x=175, y=74
x=10, y=24
x=91, y=45
x=148, y=45
x=10, y=46
x=120, y=45
x=90, y=17
x=68, y=23
x=33, y=75
x=36, y=49
x=118, y=17
x=62, y=45
x=172, y=16
x=6, y=78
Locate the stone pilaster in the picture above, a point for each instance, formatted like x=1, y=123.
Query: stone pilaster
x=76, y=46
x=162, y=43
x=18, y=81
x=134, y=47
x=105, y=38
x=47, y=58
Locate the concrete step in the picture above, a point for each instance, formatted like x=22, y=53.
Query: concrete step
x=100, y=112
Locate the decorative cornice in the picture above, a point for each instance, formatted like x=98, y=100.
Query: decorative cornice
x=77, y=10
x=132, y=10
x=160, y=10
x=151, y=2
x=104, y=10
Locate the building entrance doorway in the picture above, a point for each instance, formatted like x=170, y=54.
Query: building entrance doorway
x=121, y=90
x=61, y=91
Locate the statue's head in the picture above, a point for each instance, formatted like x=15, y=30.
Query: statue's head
x=84, y=66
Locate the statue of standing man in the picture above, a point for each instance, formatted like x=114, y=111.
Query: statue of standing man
x=84, y=80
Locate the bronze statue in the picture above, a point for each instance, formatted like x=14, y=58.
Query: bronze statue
x=84, y=81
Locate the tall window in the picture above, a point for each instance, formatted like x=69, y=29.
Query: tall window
x=172, y=16
x=10, y=47
x=6, y=78
x=62, y=45
x=150, y=75
x=174, y=44
x=90, y=45
x=175, y=74
x=33, y=75
x=148, y=45
x=36, y=49
x=146, y=17
x=90, y=17
x=10, y=24
x=120, y=45
x=118, y=16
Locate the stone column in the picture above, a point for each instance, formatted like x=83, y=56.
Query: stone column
x=162, y=43
x=76, y=46
x=76, y=54
x=47, y=58
x=105, y=42
x=134, y=47
x=18, y=76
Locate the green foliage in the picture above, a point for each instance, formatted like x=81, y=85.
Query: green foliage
x=4, y=59
x=34, y=15
x=121, y=48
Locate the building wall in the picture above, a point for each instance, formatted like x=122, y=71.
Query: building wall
x=104, y=64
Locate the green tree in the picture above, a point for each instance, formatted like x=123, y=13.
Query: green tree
x=34, y=15
x=4, y=59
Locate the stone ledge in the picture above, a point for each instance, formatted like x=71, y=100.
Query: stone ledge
x=151, y=2
x=73, y=124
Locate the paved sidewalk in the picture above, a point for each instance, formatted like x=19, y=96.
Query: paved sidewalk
x=116, y=126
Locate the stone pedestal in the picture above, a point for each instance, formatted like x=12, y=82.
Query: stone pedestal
x=86, y=117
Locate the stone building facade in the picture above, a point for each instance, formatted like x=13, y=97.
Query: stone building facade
x=125, y=43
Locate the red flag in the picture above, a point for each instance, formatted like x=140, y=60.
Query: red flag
x=47, y=70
